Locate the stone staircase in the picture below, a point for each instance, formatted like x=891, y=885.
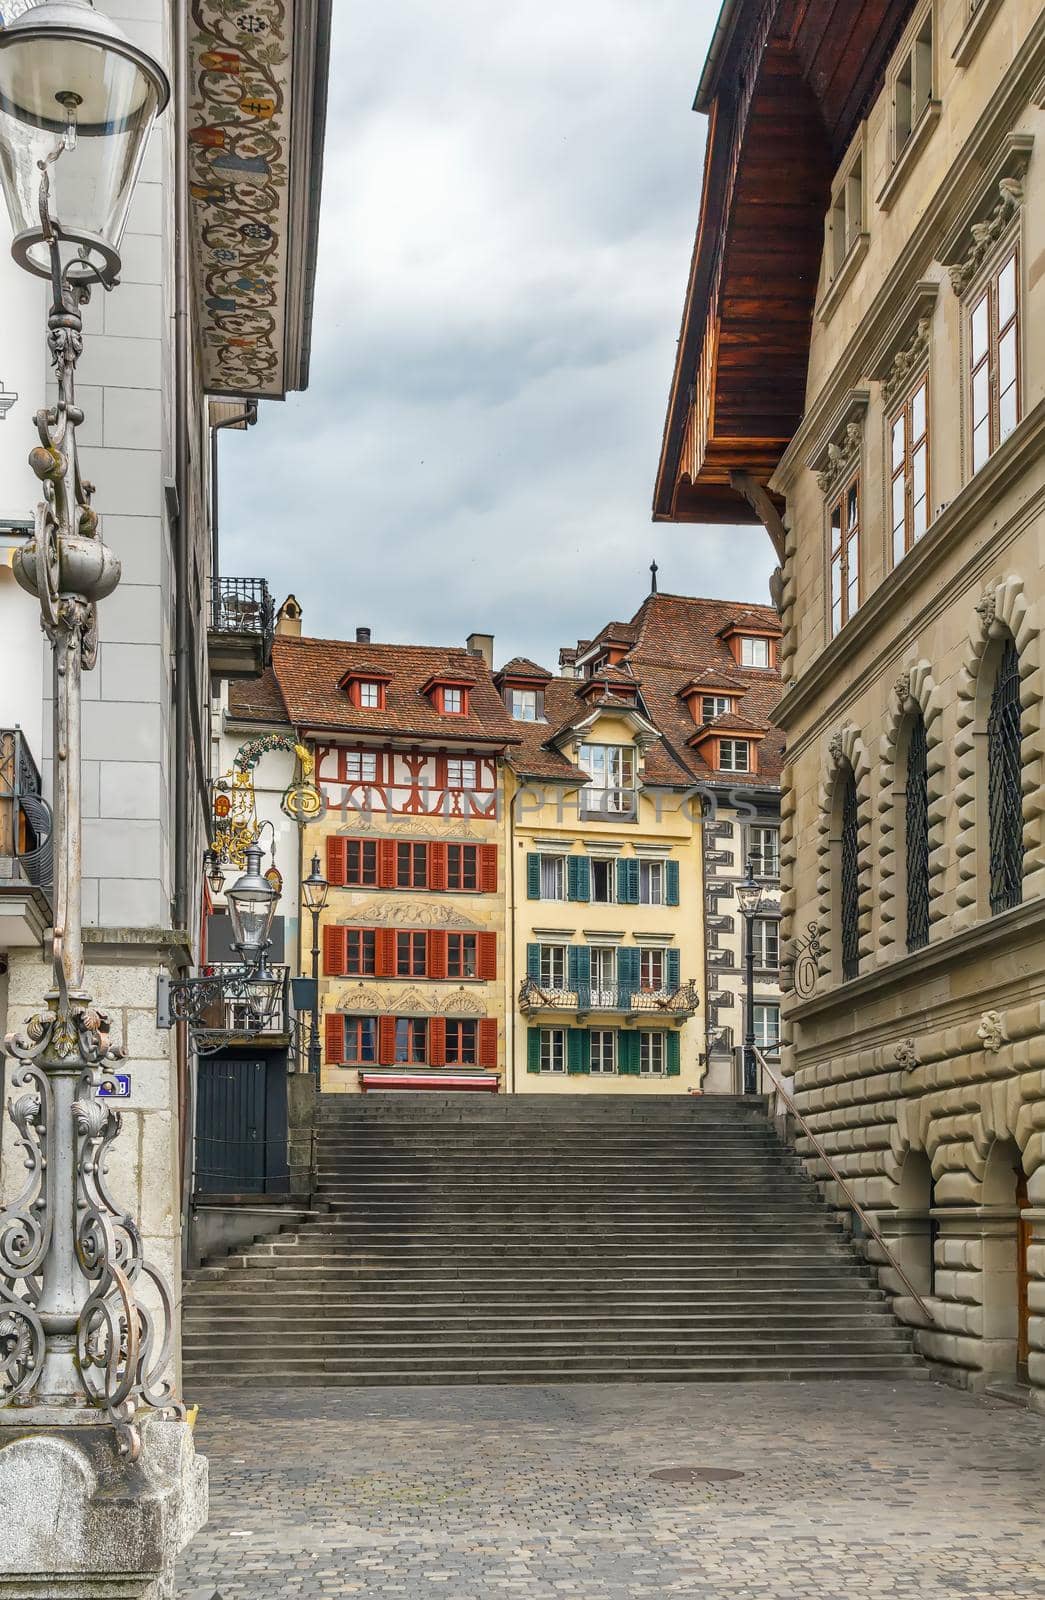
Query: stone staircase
x=540, y=1239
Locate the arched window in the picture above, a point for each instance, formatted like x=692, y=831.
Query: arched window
x=916, y=835
x=850, y=878
x=1004, y=772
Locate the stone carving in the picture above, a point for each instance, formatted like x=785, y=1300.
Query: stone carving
x=987, y=233
x=836, y=748
x=902, y=690
x=987, y=608
x=362, y=998
x=461, y=1001
x=991, y=1031
x=840, y=456
x=906, y=1055
x=907, y=361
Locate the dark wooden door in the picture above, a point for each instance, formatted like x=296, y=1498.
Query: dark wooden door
x=230, y=1126
x=1023, y=1229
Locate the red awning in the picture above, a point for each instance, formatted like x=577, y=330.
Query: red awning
x=415, y=1080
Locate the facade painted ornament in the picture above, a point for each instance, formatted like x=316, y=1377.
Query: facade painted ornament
x=991, y=1031
x=841, y=455
x=905, y=1055
x=986, y=234
x=406, y=913
x=907, y=362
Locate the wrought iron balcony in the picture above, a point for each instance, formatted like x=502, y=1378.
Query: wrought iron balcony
x=25, y=845
x=240, y=628
x=226, y=1006
x=616, y=997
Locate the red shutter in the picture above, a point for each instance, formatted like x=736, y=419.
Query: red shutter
x=337, y=858
x=486, y=956
x=437, y=866
x=437, y=1042
x=488, y=1042
x=487, y=869
x=334, y=1028
x=335, y=952
x=437, y=953
x=386, y=863
x=385, y=953
x=386, y=1041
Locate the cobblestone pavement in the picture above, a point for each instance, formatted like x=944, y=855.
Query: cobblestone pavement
x=848, y=1490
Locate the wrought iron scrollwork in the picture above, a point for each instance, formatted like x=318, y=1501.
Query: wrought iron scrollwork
x=804, y=961
x=25, y=1238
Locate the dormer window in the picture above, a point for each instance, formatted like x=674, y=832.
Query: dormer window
x=453, y=703
x=370, y=694
x=754, y=652
x=526, y=705
x=715, y=705
x=449, y=696
x=365, y=689
x=734, y=755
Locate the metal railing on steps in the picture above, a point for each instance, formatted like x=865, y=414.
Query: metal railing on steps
x=866, y=1219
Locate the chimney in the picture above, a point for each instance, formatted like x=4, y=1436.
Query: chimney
x=288, y=619
x=362, y=636
x=481, y=644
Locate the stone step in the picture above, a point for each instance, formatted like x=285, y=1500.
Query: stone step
x=839, y=1370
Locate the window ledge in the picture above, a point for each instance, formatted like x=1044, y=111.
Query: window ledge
x=973, y=33
x=843, y=277
x=916, y=142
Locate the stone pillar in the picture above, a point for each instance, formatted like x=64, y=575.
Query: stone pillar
x=302, y=1105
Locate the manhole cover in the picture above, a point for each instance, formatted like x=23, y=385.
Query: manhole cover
x=694, y=1474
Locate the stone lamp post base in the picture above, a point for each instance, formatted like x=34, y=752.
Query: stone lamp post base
x=84, y=1522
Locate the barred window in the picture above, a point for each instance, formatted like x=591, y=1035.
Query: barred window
x=850, y=878
x=1004, y=775
x=916, y=830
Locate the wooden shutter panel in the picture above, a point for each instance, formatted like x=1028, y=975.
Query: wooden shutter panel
x=533, y=877
x=488, y=1042
x=386, y=863
x=671, y=883
x=622, y=880
x=487, y=869
x=335, y=951
x=486, y=956
x=533, y=1049
x=627, y=1053
x=533, y=961
x=437, y=941
x=578, y=1050
x=578, y=878
x=578, y=959
x=674, y=1055
x=337, y=858
x=437, y=1042
x=334, y=1030
x=437, y=866
x=385, y=953
x=672, y=970
x=440, y=761
x=632, y=871
x=628, y=970
x=386, y=1041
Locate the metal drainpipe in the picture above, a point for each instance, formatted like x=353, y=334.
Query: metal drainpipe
x=510, y=942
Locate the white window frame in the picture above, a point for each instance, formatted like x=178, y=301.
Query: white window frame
x=752, y=645
x=720, y=706
x=609, y=862
x=765, y=943
x=651, y=883
x=653, y=1053
x=733, y=746
x=651, y=969
x=603, y=955
x=365, y=764
x=462, y=772
x=369, y=694
x=612, y=778
x=604, y=1067
x=523, y=705
x=553, y=1050
x=988, y=291
x=767, y=1026
x=553, y=866
x=759, y=834
x=453, y=702
x=553, y=966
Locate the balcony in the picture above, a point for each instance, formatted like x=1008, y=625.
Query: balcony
x=25, y=846
x=646, y=1005
x=250, y=1015
x=240, y=627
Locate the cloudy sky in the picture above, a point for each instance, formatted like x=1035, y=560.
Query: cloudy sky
x=510, y=197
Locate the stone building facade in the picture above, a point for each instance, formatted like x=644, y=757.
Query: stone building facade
x=898, y=467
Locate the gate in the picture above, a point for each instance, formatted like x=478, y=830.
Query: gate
x=231, y=1126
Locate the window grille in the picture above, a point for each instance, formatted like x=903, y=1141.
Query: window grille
x=850, y=880
x=1005, y=806
x=917, y=838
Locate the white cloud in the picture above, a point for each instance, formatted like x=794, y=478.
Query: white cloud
x=510, y=196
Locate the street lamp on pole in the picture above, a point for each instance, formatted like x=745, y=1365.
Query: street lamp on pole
x=749, y=898
x=77, y=1343
x=314, y=889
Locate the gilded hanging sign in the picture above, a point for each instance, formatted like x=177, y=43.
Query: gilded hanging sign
x=239, y=166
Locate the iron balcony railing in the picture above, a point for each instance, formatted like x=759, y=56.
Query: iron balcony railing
x=623, y=998
x=25, y=816
x=249, y=1013
x=242, y=605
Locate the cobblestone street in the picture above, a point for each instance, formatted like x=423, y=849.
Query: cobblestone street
x=846, y=1490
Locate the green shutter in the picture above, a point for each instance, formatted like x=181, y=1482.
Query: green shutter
x=578, y=877
x=628, y=972
x=627, y=1053
x=533, y=1049
x=578, y=970
x=672, y=972
x=671, y=883
x=578, y=1050
x=674, y=1055
x=533, y=877
x=533, y=961
x=632, y=871
x=622, y=880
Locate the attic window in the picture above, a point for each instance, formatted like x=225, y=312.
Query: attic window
x=371, y=694
x=526, y=705
x=754, y=652
x=734, y=755
x=715, y=705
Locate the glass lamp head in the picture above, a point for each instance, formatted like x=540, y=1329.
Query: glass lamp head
x=314, y=888
x=252, y=906
x=749, y=893
x=77, y=101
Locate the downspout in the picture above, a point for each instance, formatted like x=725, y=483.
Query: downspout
x=509, y=965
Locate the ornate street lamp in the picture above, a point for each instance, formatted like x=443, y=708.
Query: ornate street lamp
x=77, y=1344
x=749, y=899
x=315, y=889
x=213, y=873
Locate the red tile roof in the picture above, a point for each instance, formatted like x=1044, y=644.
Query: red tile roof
x=257, y=699
x=521, y=667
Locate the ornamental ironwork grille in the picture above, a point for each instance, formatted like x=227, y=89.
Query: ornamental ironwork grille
x=1004, y=776
x=850, y=880
x=917, y=837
